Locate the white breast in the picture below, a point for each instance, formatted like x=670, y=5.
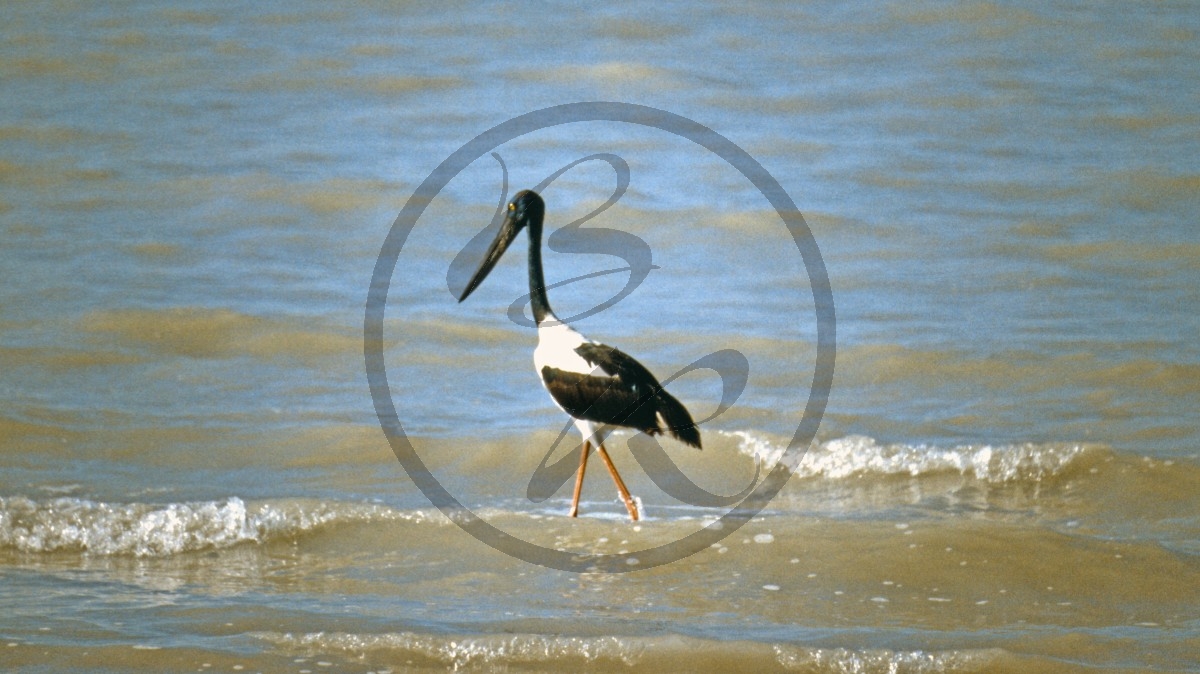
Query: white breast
x=556, y=347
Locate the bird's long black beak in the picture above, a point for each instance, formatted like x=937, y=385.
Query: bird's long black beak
x=508, y=232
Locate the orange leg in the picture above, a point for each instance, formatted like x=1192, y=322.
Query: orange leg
x=587, y=447
x=629, y=504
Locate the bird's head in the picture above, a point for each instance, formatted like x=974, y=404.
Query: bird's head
x=525, y=210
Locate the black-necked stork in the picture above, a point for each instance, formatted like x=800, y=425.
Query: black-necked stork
x=596, y=384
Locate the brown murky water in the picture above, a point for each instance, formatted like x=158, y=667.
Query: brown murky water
x=192, y=476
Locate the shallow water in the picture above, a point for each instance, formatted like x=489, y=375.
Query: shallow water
x=192, y=475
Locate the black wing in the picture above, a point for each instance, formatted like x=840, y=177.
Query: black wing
x=606, y=400
x=629, y=396
x=617, y=363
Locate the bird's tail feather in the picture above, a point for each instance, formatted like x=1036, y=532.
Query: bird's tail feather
x=676, y=420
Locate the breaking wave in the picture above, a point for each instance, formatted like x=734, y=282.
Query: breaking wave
x=671, y=652
x=155, y=530
x=857, y=455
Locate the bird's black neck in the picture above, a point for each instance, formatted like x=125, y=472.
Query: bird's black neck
x=537, y=281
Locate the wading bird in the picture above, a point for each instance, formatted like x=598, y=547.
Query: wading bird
x=595, y=384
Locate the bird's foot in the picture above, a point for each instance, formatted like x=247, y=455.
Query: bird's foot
x=632, y=506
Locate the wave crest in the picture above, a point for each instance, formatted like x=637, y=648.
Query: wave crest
x=858, y=455
x=155, y=530
x=652, y=653
x=459, y=652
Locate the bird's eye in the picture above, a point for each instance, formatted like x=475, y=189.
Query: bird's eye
x=512, y=207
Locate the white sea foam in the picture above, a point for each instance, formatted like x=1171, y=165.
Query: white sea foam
x=858, y=455
x=882, y=660
x=458, y=652
x=150, y=530
x=463, y=651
